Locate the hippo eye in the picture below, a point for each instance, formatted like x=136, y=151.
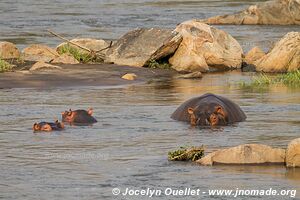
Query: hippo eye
x=69, y=113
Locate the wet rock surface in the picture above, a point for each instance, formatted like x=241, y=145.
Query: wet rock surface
x=138, y=47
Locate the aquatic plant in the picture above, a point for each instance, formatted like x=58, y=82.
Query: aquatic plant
x=76, y=53
x=4, y=66
x=186, y=154
x=291, y=79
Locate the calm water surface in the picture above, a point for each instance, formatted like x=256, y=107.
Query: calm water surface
x=129, y=145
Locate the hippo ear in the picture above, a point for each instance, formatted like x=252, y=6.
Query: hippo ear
x=220, y=110
x=90, y=111
x=35, y=127
x=69, y=113
x=190, y=110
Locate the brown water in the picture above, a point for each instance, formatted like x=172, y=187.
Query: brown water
x=129, y=145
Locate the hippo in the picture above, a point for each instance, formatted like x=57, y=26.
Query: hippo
x=209, y=110
x=48, y=126
x=79, y=117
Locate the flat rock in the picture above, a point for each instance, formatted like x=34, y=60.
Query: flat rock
x=205, y=48
x=9, y=50
x=244, y=155
x=43, y=66
x=276, y=12
x=138, y=47
x=284, y=57
x=39, y=52
x=90, y=43
x=65, y=59
x=293, y=153
x=193, y=75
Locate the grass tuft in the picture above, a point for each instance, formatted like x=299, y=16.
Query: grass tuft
x=76, y=53
x=159, y=64
x=290, y=79
x=4, y=66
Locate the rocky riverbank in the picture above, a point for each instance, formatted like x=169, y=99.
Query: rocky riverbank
x=191, y=48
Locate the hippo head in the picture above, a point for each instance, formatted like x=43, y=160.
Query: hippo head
x=208, y=115
x=45, y=126
x=79, y=116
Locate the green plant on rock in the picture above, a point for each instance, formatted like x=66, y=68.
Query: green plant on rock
x=4, y=66
x=76, y=53
x=186, y=154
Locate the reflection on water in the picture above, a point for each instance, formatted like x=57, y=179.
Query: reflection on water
x=26, y=21
x=129, y=144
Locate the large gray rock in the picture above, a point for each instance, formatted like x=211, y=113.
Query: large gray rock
x=293, y=153
x=8, y=50
x=39, y=52
x=140, y=46
x=205, y=48
x=285, y=56
x=281, y=12
x=245, y=154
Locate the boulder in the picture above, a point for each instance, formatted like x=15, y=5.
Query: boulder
x=65, y=59
x=92, y=44
x=38, y=52
x=245, y=154
x=8, y=50
x=285, y=56
x=293, y=153
x=129, y=76
x=43, y=66
x=140, y=46
x=205, y=48
x=280, y=12
x=253, y=55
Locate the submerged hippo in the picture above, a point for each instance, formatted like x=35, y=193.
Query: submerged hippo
x=209, y=110
x=79, y=117
x=48, y=126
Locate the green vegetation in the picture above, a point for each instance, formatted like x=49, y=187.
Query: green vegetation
x=77, y=54
x=291, y=79
x=4, y=66
x=159, y=64
x=186, y=154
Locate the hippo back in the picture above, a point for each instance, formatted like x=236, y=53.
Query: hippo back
x=82, y=117
x=235, y=113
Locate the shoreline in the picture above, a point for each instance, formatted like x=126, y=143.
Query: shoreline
x=80, y=75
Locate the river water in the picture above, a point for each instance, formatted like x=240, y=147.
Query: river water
x=25, y=22
x=128, y=146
